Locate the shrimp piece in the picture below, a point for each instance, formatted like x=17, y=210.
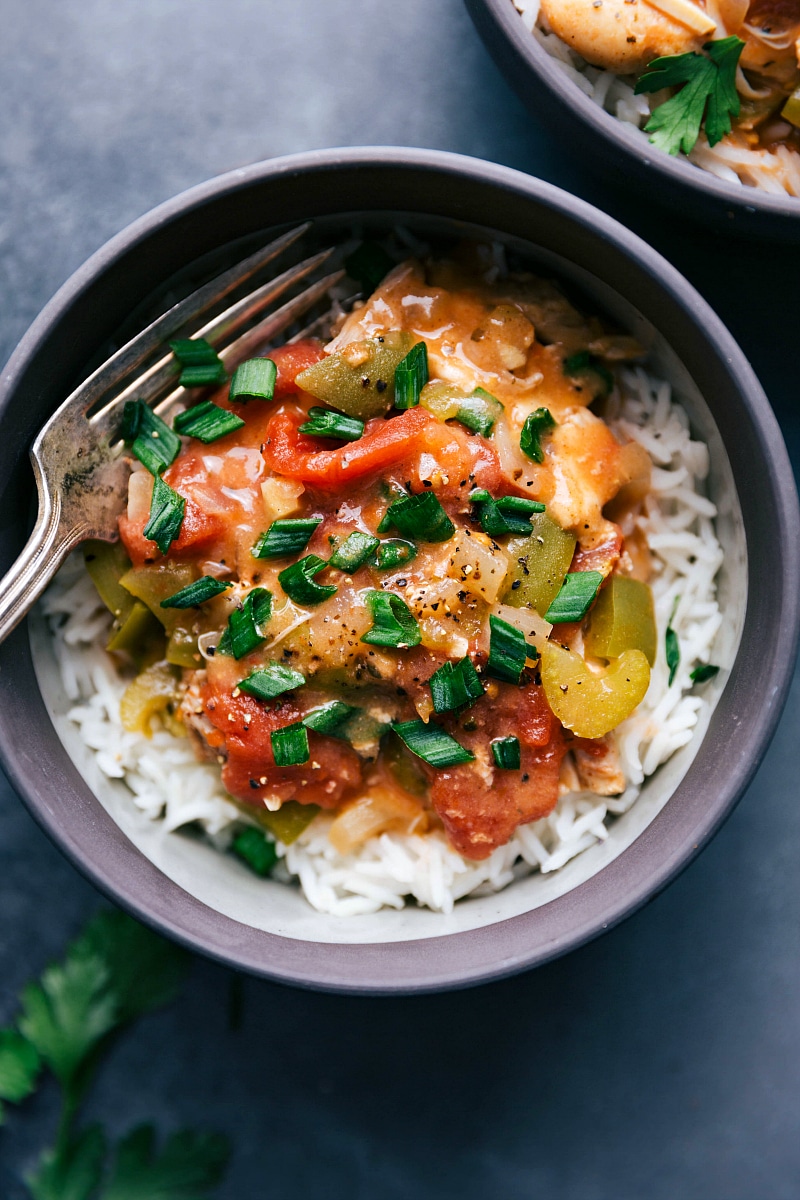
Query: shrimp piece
x=619, y=35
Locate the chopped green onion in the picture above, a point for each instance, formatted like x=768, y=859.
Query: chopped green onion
x=290, y=745
x=508, y=651
x=255, y=849
x=285, y=537
x=354, y=552
x=393, y=623
x=431, y=744
x=245, y=624
x=454, y=685
x=577, y=593
x=703, y=673
x=207, y=422
x=327, y=424
x=201, y=363
x=330, y=718
x=537, y=424
x=196, y=593
x=507, y=514
x=254, y=380
x=166, y=515
x=671, y=645
x=480, y=411
x=152, y=441
x=368, y=265
x=394, y=552
x=506, y=753
x=576, y=364
x=421, y=517
x=410, y=377
x=268, y=682
x=298, y=581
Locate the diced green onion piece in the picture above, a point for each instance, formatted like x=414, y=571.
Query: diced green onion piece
x=196, y=593
x=207, y=422
x=298, y=581
x=255, y=849
x=507, y=514
x=268, y=682
x=421, y=517
x=368, y=264
x=454, y=685
x=582, y=361
x=577, y=593
x=201, y=363
x=254, y=380
x=537, y=424
x=330, y=718
x=285, y=537
x=671, y=645
x=508, y=651
x=152, y=441
x=290, y=745
x=246, y=624
x=393, y=622
x=506, y=753
x=480, y=411
x=354, y=551
x=703, y=673
x=166, y=515
x=431, y=744
x=327, y=424
x=410, y=377
x=394, y=552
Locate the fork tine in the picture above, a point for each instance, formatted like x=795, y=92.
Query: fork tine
x=257, y=338
x=130, y=356
x=150, y=384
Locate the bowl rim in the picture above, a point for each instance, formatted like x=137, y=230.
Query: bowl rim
x=507, y=21
x=513, y=944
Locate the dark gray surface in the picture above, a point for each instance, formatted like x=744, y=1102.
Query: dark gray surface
x=661, y=1061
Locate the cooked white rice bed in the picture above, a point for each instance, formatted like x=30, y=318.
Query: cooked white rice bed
x=776, y=171
x=168, y=784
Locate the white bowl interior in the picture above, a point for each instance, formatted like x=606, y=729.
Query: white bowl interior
x=225, y=885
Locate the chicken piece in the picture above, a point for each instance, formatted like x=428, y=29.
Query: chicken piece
x=620, y=35
x=597, y=763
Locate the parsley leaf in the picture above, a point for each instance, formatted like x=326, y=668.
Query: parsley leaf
x=71, y=1172
x=189, y=1164
x=709, y=91
x=19, y=1067
x=146, y=971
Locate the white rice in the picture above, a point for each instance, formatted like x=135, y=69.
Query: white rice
x=168, y=784
x=776, y=171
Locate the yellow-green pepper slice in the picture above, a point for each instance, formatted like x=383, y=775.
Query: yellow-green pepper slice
x=539, y=564
x=360, y=380
x=140, y=636
x=106, y=563
x=791, y=109
x=623, y=619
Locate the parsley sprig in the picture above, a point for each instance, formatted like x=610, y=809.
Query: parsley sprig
x=708, y=91
x=114, y=972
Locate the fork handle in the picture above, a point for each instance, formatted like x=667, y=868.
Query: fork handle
x=46, y=548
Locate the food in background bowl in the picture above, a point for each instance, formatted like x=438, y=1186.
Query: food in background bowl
x=411, y=612
x=718, y=81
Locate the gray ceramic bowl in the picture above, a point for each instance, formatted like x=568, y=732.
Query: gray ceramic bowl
x=208, y=901
x=614, y=148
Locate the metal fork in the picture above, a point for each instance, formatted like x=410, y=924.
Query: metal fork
x=78, y=459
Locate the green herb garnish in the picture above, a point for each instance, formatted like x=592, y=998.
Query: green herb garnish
x=671, y=644
x=166, y=515
x=393, y=553
x=298, y=581
x=508, y=651
x=537, y=424
x=354, y=551
x=410, y=377
x=393, y=624
x=703, y=673
x=455, y=684
x=196, y=593
x=254, y=380
x=583, y=360
x=421, y=517
x=327, y=424
x=268, y=682
x=245, y=631
x=290, y=745
x=431, y=744
x=507, y=514
x=207, y=422
x=479, y=412
x=506, y=753
x=330, y=718
x=708, y=92
x=201, y=364
x=285, y=537
x=152, y=441
x=577, y=593
x=255, y=849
